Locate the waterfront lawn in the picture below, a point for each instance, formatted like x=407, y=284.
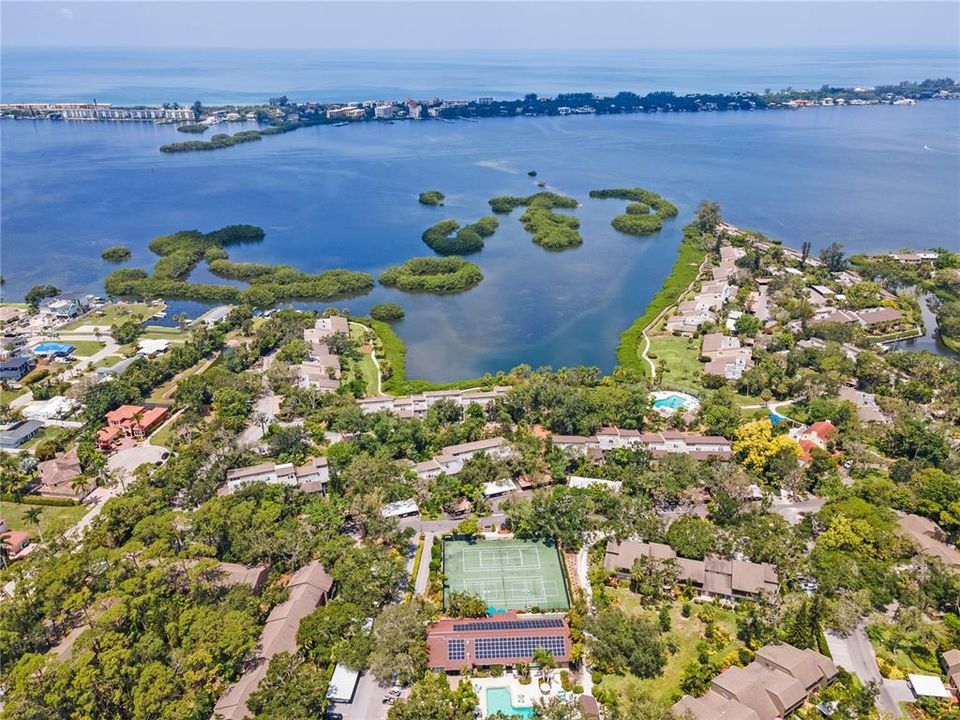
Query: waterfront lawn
x=158, y=332
x=682, y=358
x=114, y=314
x=366, y=366
x=86, y=348
x=687, y=632
x=52, y=517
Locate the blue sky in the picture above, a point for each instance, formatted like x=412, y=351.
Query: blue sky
x=481, y=25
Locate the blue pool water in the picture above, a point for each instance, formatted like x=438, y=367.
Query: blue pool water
x=498, y=700
x=53, y=347
x=674, y=402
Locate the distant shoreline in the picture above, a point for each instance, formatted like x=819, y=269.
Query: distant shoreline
x=280, y=115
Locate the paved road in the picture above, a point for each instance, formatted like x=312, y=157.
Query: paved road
x=269, y=405
x=854, y=653
x=367, y=701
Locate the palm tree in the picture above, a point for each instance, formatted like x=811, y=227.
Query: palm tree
x=33, y=515
x=544, y=659
x=262, y=420
x=78, y=485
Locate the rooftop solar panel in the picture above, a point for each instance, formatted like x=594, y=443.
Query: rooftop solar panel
x=456, y=650
x=495, y=648
x=486, y=625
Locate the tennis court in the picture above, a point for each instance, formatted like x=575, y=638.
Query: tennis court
x=507, y=574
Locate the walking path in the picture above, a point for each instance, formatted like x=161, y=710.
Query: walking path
x=662, y=313
x=373, y=356
x=423, y=571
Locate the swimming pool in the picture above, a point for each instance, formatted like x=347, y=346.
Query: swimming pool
x=671, y=401
x=499, y=700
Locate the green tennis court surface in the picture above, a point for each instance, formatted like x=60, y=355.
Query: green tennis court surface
x=507, y=574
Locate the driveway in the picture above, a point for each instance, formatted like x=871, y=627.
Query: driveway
x=269, y=405
x=854, y=653
x=132, y=458
x=367, y=701
x=794, y=511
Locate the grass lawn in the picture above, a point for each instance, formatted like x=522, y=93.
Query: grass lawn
x=47, y=433
x=22, y=306
x=158, y=332
x=108, y=361
x=51, y=517
x=367, y=367
x=8, y=396
x=86, y=348
x=114, y=314
x=686, y=631
x=682, y=358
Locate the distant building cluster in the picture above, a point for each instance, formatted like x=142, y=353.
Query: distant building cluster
x=410, y=406
x=96, y=111
x=700, y=447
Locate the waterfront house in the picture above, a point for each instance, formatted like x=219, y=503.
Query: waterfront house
x=66, y=305
x=418, y=405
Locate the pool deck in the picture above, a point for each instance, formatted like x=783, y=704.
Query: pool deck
x=685, y=401
x=520, y=695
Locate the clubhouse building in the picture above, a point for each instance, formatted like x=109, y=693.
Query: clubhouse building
x=504, y=639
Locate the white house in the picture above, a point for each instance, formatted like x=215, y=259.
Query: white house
x=312, y=476
x=400, y=508
x=583, y=483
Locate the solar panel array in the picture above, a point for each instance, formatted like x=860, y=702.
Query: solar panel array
x=494, y=648
x=508, y=625
x=456, y=650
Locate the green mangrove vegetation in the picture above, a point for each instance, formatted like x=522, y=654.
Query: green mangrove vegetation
x=180, y=253
x=550, y=230
x=443, y=276
x=387, y=312
x=448, y=238
x=223, y=140
x=645, y=213
x=431, y=197
x=693, y=250
x=193, y=128
x=116, y=253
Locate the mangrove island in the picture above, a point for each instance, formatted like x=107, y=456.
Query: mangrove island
x=442, y=276
x=468, y=239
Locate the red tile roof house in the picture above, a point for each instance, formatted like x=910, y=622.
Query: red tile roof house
x=133, y=421
x=506, y=639
x=14, y=542
x=819, y=433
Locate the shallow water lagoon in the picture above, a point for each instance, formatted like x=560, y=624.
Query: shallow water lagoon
x=871, y=178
